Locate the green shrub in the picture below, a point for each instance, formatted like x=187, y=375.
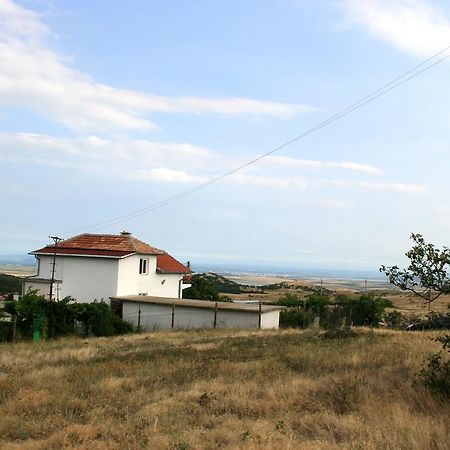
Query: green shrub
x=296, y=317
x=291, y=300
x=366, y=310
x=302, y=312
x=61, y=318
x=436, y=375
x=395, y=319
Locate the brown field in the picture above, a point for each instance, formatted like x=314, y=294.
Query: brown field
x=18, y=271
x=222, y=389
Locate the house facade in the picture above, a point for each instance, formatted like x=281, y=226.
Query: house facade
x=92, y=267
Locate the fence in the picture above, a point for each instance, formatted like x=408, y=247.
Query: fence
x=332, y=315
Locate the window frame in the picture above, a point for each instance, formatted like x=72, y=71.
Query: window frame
x=143, y=266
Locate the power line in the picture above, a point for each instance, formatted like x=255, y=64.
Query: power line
x=412, y=73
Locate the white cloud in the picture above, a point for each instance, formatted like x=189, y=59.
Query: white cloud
x=334, y=203
x=269, y=181
x=314, y=164
x=34, y=76
x=167, y=162
x=393, y=187
x=166, y=175
x=413, y=26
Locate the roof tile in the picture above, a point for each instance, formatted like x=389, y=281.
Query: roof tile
x=101, y=245
x=168, y=264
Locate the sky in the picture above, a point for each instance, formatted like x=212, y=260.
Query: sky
x=109, y=107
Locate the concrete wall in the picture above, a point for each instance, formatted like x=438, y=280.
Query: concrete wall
x=131, y=282
x=83, y=278
x=42, y=288
x=270, y=320
x=159, y=317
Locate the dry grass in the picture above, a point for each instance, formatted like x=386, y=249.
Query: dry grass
x=221, y=389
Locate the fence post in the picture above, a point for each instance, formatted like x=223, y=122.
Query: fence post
x=259, y=316
x=215, y=315
x=14, y=327
x=173, y=315
x=139, y=319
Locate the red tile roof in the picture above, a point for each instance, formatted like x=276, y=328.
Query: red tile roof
x=112, y=245
x=168, y=264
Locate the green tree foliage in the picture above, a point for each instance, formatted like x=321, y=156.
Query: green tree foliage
x=62, y=318
x=436, y=375
x=427, y=274
x=302, y=312
x=203, y=288
x=367, y=309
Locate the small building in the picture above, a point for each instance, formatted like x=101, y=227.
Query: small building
x=151, y=313
x=92, y=267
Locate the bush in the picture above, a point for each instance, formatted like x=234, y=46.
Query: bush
x=433, y=321
x=436, y=375
x=366, y=310
x=296, y=318
x=302, y=312
x=60, y=318
x=395, y=319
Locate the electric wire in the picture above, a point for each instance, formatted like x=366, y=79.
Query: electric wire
x=383, y=90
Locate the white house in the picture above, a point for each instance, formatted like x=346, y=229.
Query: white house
x=92, y=267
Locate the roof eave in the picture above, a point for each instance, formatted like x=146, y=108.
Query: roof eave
x=81, y=255
x=172, y=272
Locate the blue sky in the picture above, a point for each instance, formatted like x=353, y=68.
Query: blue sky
x=107, y=107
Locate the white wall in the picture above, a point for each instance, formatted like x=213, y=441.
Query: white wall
x=41, y=288
x=84, y=278
x=131, y=282
x=159, y=317
x=88, y=278
x=270, y=320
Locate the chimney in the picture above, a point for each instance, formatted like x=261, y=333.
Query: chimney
x=125, y=233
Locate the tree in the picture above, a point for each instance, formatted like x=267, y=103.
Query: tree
x=202, y=288
x=427, y=275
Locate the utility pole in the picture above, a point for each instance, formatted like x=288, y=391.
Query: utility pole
x=56, y=240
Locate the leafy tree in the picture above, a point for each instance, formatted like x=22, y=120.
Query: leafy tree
x=366, y=309
x=202, y=289
x=427, y=275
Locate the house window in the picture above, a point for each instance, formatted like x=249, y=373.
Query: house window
x=143, y=266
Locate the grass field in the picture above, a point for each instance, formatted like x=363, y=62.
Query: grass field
x=222, y=389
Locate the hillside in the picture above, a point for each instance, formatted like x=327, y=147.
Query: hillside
x=9, y=283
x=221, y=389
